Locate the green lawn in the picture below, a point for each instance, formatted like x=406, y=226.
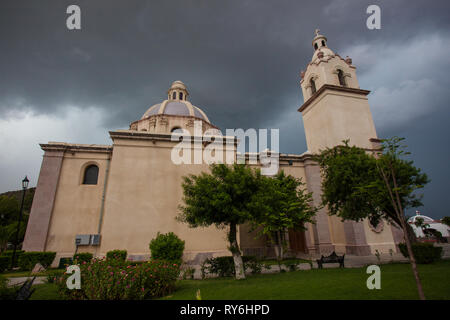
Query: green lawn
x=19, y=273
x=397, y=282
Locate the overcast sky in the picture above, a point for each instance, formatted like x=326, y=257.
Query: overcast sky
x=240, y=60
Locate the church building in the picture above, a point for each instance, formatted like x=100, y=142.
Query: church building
x=104, y=197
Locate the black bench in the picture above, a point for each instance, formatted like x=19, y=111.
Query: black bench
x=332, y=258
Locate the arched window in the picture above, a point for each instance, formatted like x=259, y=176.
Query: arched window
x=313, y=86
x=323, y=43
x=341, y=78
x=181, y=95
x=176, y=130
x=316, y=46
x=90, y=174
x=174, y=95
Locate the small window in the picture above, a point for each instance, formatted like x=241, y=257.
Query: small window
x=174, y=95
x=316, y=46
x=341, y=78
x=313, y=86
x=323, y=43
x=181, y=95
x=90, y=174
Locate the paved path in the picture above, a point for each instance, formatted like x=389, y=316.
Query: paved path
x=21, y=280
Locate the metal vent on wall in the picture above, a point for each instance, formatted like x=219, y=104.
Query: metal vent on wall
x=87, y=239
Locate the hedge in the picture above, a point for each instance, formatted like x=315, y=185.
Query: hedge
x=9, y=253
x=4, y=263
x=82, y=257
x=423, y=252
x=115, y=279
x=28, y=260
x=117, y=254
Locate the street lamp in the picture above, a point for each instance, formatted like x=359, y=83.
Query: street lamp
x=25, y=182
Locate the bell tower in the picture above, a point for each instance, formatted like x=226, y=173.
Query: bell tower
x=334, y=108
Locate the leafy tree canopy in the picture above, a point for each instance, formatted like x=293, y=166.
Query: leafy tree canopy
x=353, y=188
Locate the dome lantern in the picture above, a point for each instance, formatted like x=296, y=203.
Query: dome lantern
x=177, y=91
x=319, y=40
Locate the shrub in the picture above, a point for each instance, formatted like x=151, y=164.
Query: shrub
x=117, y=254
x=9, y=253
x=28, y=260
x=7, y=293
x=252, y=263
x=224, y=266
x=221, y=266
x=188, y=273
x=4, y=263
x=291, y=265
x=54, y=275
x=81, y=257
x=115, y=279
x=167, y=247
x=423, y=252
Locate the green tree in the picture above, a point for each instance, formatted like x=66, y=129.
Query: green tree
x=221, y=198
x=4, y=237
x=9, y=210
x=282, y=204
x=357, y=185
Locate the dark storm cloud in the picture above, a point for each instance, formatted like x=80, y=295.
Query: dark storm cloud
x=240, y=60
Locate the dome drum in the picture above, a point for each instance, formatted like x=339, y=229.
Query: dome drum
x=174, y=113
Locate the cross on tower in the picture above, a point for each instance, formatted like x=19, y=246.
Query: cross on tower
x=317, y=32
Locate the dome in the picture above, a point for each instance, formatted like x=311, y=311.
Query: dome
x=176, y=108
x=176, y=104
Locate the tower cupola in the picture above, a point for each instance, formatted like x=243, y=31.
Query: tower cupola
x=177, y=91
x=319, y=40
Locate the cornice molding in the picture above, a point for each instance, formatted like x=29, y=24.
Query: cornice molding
x=332, y=88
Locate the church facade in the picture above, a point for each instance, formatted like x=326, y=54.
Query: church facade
x=119, y=196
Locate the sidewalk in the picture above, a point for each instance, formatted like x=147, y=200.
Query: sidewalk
x=21, y=280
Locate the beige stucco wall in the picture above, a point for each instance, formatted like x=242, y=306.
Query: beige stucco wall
x=382, y=241
x=337, y=116
x=77, y=206
x=143, y=194
x=337, y=233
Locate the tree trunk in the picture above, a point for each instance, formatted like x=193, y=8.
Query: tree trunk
x=405, y=228
x=234, y=248
x=412, y=260
x=279, y=250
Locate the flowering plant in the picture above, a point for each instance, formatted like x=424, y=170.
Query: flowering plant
x=114, y=279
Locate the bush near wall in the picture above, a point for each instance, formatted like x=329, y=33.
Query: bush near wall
x=4, y=263
x=9, y=253
x=115, y=279
x=117, y=255
x=423, y=252
x=82, y=257
x=29, y=259
x=167, y=247
x=224, y=266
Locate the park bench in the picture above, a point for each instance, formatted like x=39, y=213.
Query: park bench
x=332, y=258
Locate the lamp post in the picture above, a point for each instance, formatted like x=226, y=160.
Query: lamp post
x=25, y=182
